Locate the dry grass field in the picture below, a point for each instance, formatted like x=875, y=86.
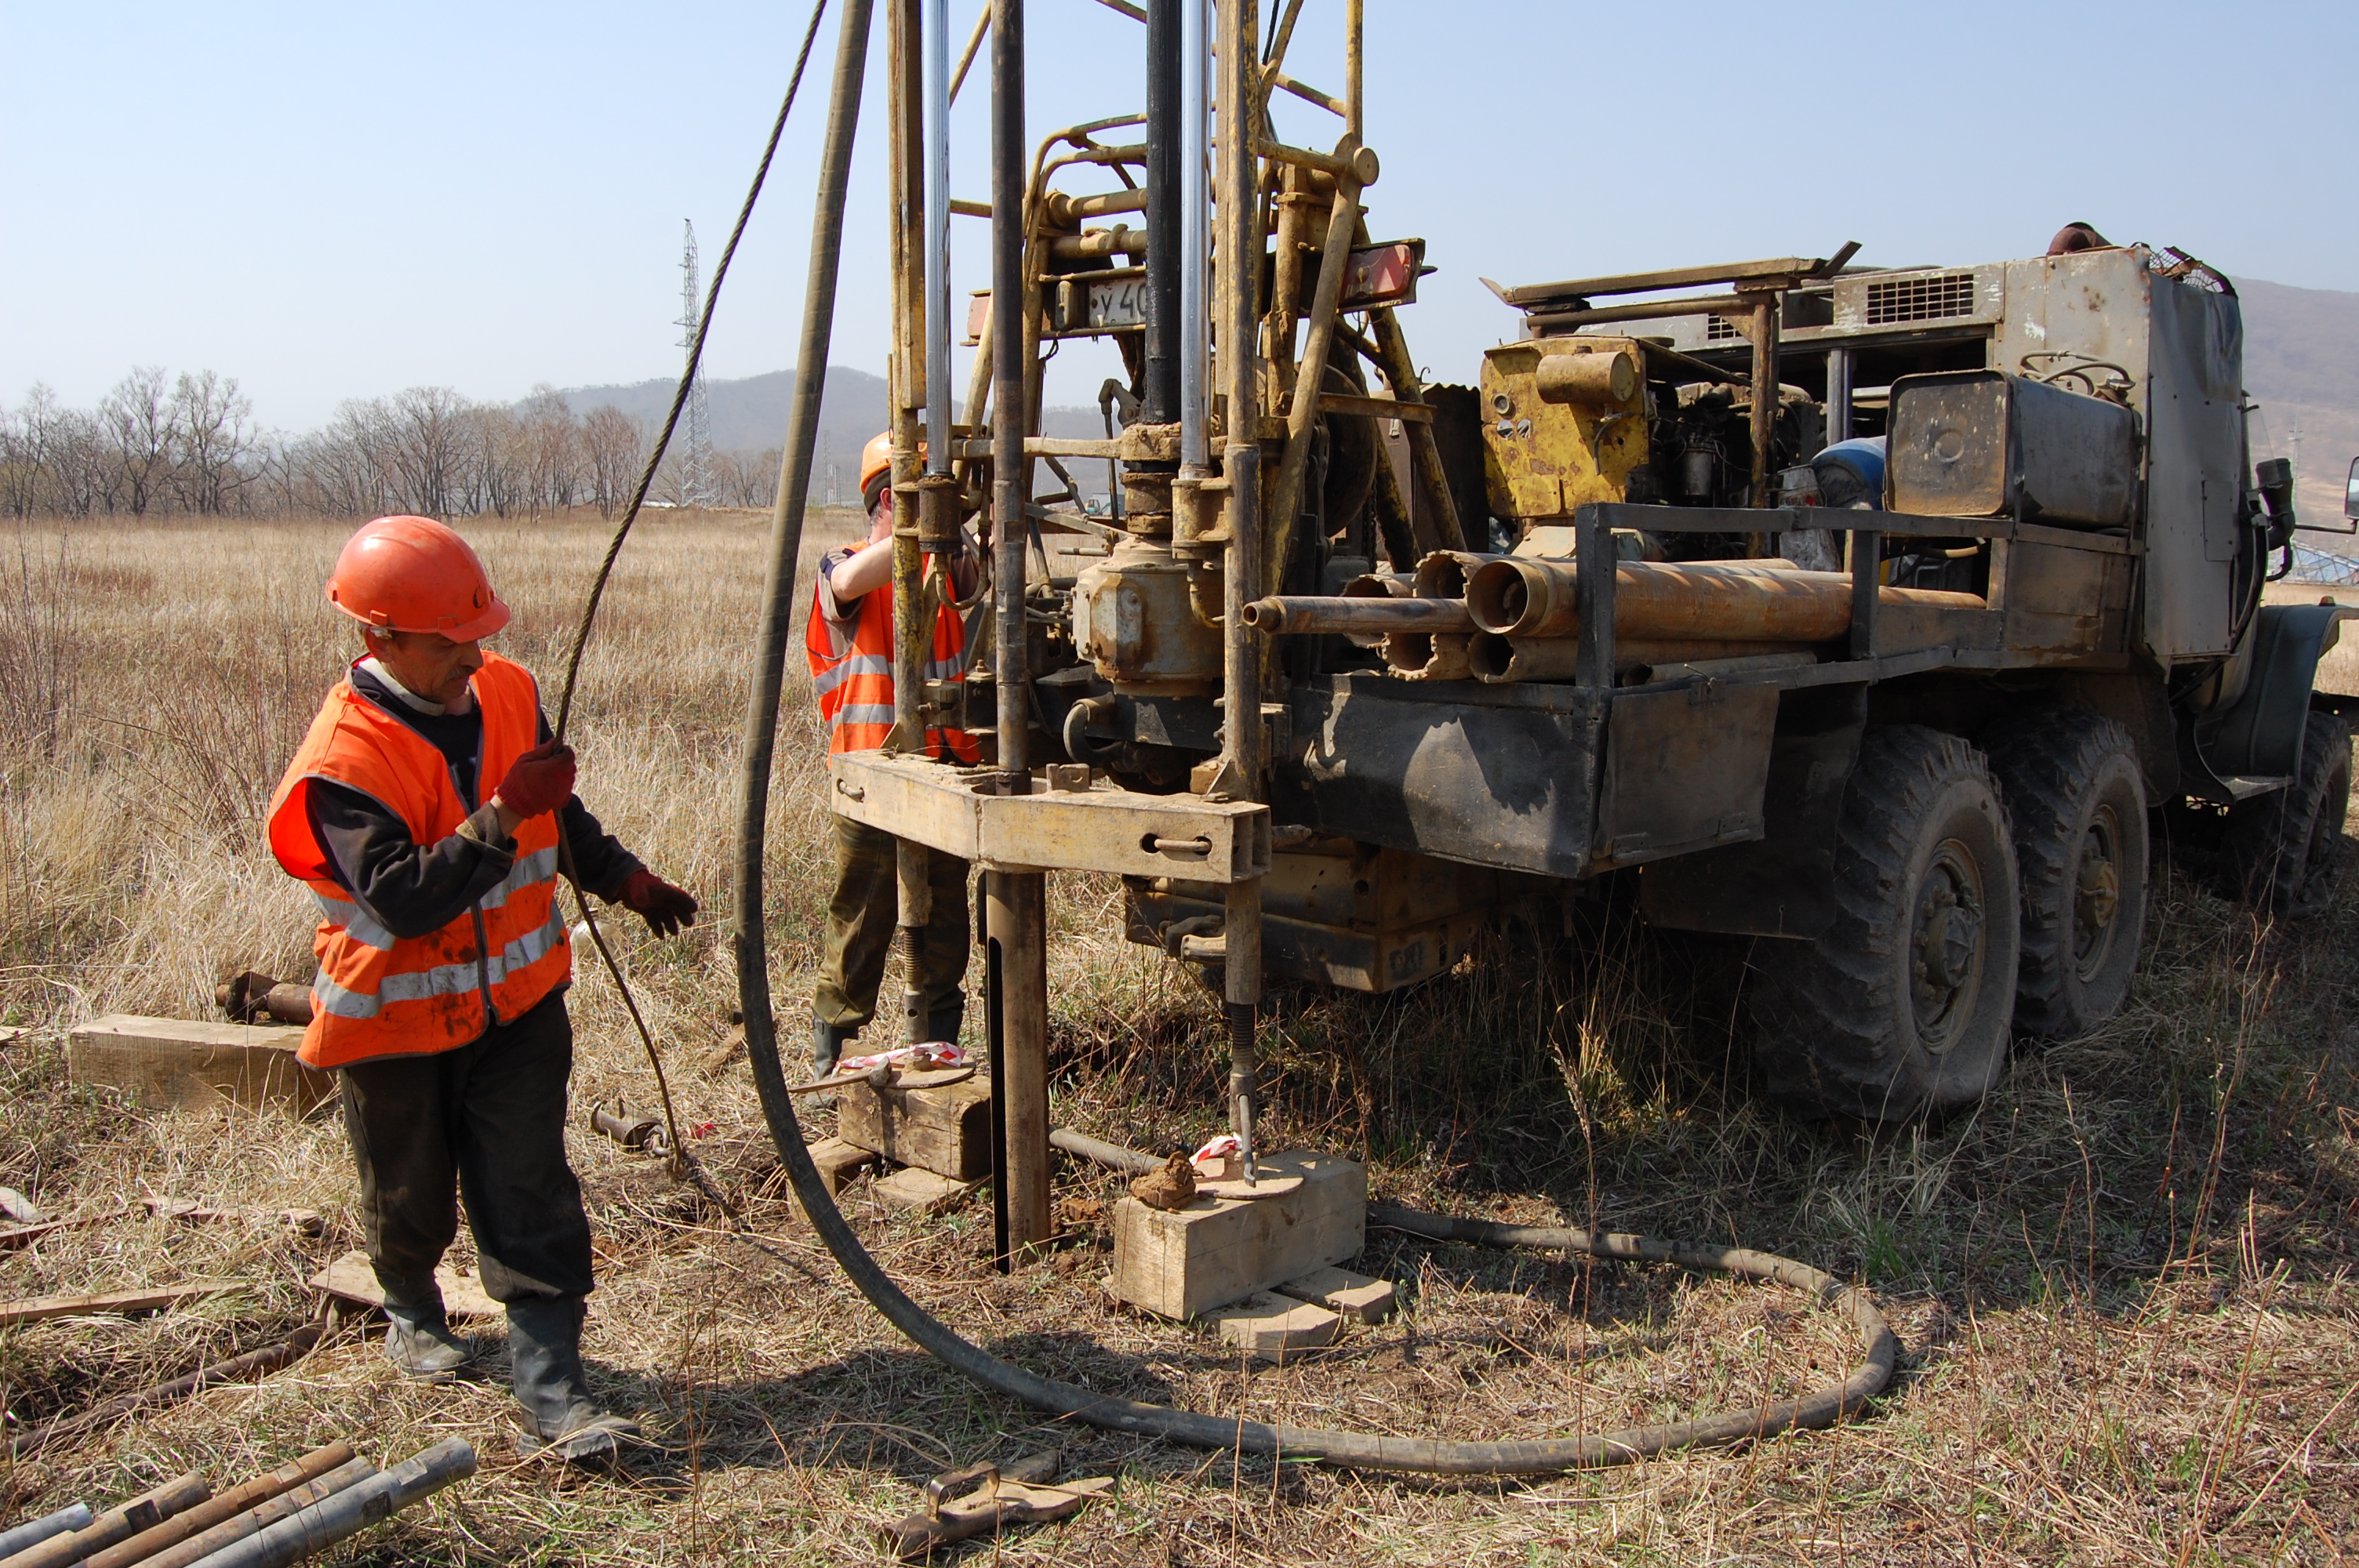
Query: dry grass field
x=2125, y=1288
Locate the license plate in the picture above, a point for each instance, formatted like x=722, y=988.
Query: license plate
x=1122, y=303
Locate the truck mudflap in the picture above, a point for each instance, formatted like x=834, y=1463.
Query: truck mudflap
x=2257, y=740
x=1560, y=780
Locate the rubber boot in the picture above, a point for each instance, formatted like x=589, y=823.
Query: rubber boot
x=544, y=1371
x=827, y=1041
x=943, y=1023
x=421, y=1343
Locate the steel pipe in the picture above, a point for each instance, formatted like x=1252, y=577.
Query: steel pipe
x=254, y=1520
x=1298, y=615
x=1240, y=253
x=939, y=411
x=1196, y=236
x=1010, y=472
x=177, y=1531
x=32, y=1533
x=350, y=1512
x=1166, y=113
x=1694, y=600
x=119, y=1523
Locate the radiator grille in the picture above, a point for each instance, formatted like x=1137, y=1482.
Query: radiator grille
x=1720, y=330
x=1920, y=298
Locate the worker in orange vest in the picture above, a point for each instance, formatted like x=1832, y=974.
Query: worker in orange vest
x=849, y=643
x=423, y=811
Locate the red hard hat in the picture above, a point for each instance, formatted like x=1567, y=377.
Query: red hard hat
x=412, y=574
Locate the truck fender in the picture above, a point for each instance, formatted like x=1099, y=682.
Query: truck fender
x=2260, y=735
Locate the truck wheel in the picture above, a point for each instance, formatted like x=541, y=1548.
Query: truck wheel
x=2076, y=799
x=1902, y=1007
x=2281, y=851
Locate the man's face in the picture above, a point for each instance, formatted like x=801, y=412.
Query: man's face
x=428, y=662
x=880, y=520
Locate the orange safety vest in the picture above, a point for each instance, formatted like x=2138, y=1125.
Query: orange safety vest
x=381, y=995
x=856, y=686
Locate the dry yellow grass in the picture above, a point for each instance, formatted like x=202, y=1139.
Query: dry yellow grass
x=2124, y=1287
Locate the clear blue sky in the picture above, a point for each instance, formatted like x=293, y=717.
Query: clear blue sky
x=332, y=200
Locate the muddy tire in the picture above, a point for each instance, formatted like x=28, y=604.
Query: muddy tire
x=2282, y=849
x=1903, y=1007
x=2076, y=799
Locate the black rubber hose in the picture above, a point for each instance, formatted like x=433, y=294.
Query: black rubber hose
x=1360, y=1450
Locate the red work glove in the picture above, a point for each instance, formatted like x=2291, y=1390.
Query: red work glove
x=542, y=780
x=665, y=908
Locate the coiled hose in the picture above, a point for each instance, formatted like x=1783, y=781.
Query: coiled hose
x=1367, y=1451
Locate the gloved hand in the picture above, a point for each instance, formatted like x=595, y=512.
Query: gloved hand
x=665, y=908
x=542, y=780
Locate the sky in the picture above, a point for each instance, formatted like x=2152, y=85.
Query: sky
x=334, y=202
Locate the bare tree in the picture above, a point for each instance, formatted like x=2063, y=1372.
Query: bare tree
x=611, y=452
x=427, y=447
x=212, y=423
x=139, y=422
x=552, y=448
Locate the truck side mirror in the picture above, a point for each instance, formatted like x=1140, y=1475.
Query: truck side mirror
x=2351, y=493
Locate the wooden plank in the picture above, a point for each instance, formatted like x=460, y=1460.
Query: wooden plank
x=946, y=1130
x=921, y=1190
x=33, y=1309
x=1340, y=1290
x=351, y=1278
x=1180, y=1263
x=168, y=1061
x=1271, y=1327
x=839, y=1162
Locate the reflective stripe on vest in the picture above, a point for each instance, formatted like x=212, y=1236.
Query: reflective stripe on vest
x=378, y=994
x=854, y=686
x=446, y=979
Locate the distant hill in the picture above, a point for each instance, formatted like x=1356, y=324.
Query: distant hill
x=2301, y=364
x=749, y=415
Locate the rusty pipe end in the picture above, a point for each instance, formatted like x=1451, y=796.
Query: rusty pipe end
x=1268, y=615
x=1490, y=655
x=1507, y=596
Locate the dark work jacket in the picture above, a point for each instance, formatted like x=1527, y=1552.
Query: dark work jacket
x=414, y=889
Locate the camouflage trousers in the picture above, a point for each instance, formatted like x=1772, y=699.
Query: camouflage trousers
x=861, y=919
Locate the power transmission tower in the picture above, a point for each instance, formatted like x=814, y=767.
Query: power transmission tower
x=696, y=459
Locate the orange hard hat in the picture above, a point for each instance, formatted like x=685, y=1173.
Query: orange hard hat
x=412, y=574
x=875, y=462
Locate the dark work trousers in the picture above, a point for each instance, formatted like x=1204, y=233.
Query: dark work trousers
x=860, y=923
x=485, y=1122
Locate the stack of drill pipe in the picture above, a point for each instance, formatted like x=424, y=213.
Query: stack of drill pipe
x=369, y=1500
x=198, y=1532
x=34, y=1532
x=117, y=1524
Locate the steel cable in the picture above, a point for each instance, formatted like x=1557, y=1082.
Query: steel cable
x=683, y=1160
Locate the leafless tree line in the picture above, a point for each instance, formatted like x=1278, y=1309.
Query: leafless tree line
x=190, y=445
